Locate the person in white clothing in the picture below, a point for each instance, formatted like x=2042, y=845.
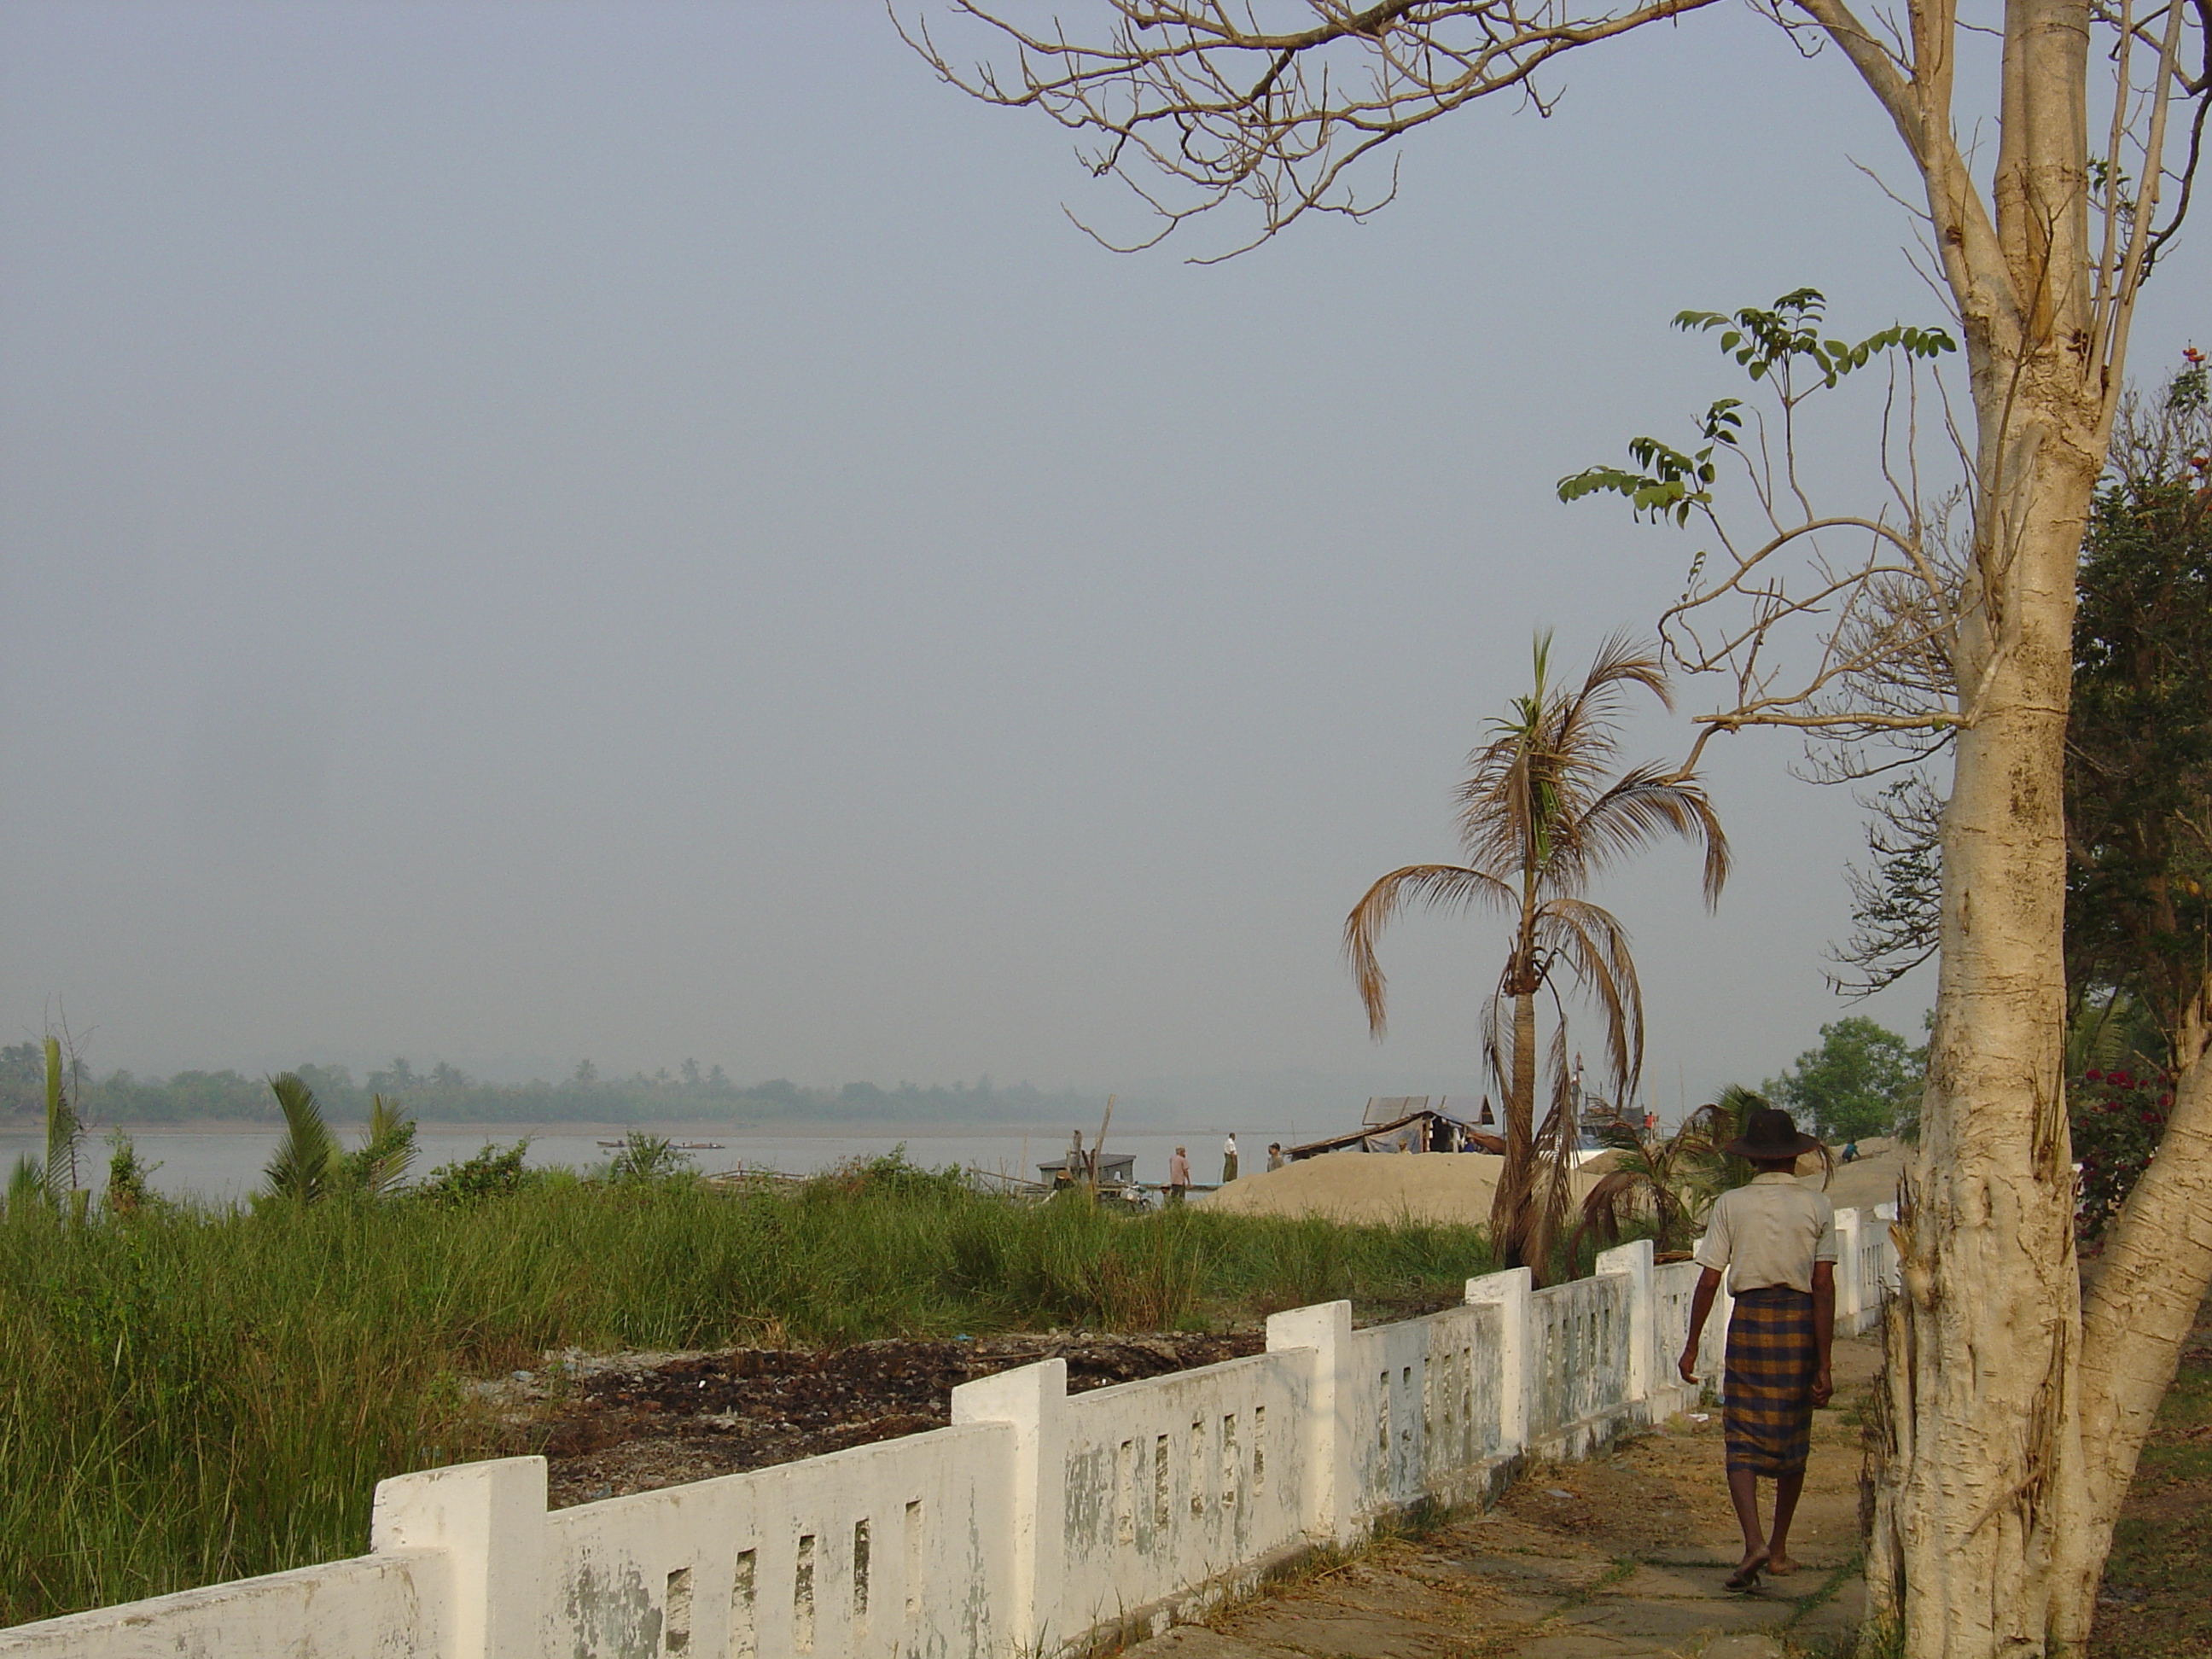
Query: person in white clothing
x=1775, y=1242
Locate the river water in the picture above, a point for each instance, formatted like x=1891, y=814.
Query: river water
x=224, y=1165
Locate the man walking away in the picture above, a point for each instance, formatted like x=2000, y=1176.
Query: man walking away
x=1776, y=1240
x=1178, y=1178
x=1229, y=1160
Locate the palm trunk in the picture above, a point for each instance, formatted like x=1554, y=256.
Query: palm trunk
x=1509, y=1206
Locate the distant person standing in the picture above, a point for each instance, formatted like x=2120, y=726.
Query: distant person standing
x=1274, y=1156
x=1776, y=1241
x=1178, y=1178
x=1229, y=1160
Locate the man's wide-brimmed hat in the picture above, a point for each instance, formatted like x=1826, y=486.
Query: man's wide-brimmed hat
x=1768, y=1132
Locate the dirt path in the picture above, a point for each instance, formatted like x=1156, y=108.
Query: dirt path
x=1620, y=1558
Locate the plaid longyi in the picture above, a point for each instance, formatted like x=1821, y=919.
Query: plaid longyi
x=1766, y=1413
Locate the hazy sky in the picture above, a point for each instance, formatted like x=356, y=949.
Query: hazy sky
x=642, y=531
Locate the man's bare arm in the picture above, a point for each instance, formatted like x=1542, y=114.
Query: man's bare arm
x=1701, y=1307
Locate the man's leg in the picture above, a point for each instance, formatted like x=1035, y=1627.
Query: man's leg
x=1743, y=1489
x=1786, y=1488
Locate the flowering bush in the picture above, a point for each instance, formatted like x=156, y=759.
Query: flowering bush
x=2117, y=1117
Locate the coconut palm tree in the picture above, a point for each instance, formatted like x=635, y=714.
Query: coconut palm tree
x=1540, y=817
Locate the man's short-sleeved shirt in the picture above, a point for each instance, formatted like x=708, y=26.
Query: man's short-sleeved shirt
x=1771, y=1232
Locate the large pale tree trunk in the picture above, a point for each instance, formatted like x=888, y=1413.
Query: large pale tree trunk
x=1986, y=1464
x=1985, y=1491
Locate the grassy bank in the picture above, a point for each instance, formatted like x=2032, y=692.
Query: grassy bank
x=187, y=1397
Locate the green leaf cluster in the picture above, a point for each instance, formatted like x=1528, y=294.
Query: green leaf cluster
x=1765, y=339
x=1667, y=483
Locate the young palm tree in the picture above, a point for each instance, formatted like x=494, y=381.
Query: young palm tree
x=62, y=1127
x=1673, y=1179
x=302, y=1169
x=1538, y=819
x=387, y=1151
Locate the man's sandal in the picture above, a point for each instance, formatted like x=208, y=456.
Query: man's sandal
x=1746, y=1575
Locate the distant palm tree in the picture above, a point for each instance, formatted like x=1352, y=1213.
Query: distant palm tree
x=1538, y=819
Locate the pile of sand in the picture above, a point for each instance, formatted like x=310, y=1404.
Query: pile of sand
x=1868, y=1180
x=1457, y=1186
x=1375, y=1187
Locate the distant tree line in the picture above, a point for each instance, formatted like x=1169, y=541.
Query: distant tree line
x=444, y=1093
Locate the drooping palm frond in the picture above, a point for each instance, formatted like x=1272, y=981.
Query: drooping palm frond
x=1642, y=806
x=1585, y=731
x=1593, y=946
x=1446, y=887
x=2117, y=1030
x=301, y=1171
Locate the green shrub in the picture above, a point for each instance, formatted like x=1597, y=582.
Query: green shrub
x=492, y=1172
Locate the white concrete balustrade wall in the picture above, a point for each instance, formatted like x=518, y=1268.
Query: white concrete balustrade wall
x=1038, y=1523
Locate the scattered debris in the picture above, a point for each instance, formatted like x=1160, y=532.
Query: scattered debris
x=625, y=1423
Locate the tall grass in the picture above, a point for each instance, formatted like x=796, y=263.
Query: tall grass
x=188, y=1396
